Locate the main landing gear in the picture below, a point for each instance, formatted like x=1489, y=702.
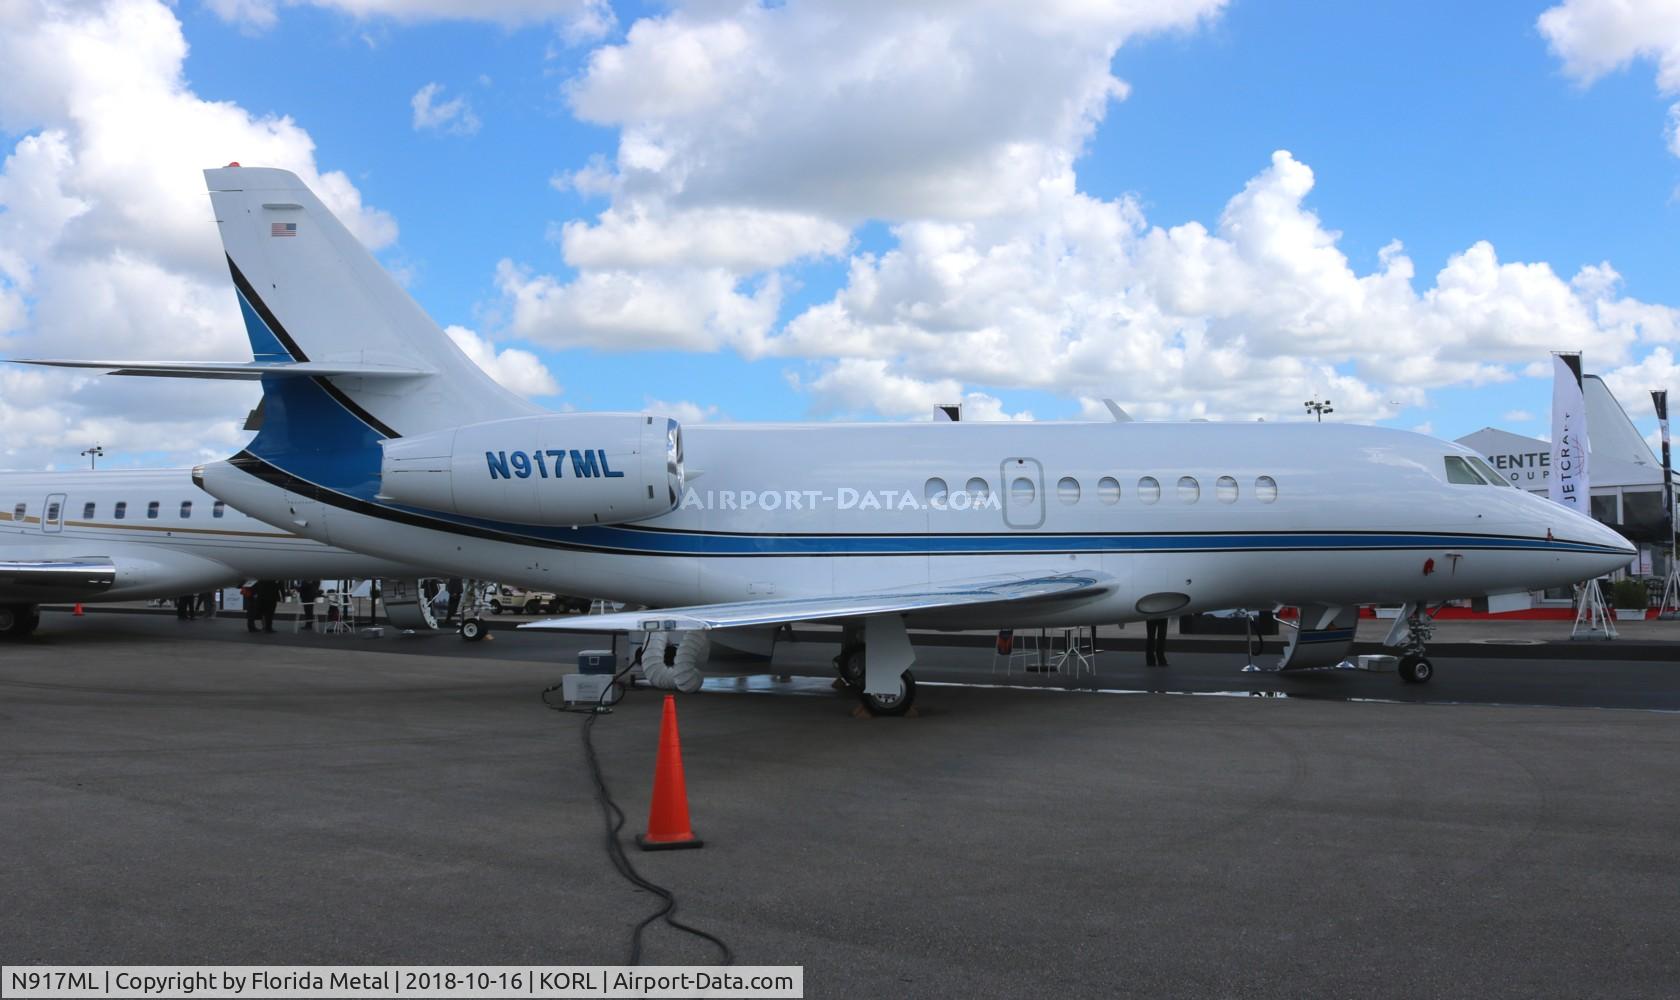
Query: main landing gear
x=1415, y=667
x=18, y=620
x=878, y=646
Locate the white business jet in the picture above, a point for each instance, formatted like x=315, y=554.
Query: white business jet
x=130, y=535
x=381, y=436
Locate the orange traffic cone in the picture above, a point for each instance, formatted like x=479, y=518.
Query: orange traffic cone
x=78, y=611
x=668, y=828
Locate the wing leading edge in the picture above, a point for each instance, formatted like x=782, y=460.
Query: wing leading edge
x=776, y=611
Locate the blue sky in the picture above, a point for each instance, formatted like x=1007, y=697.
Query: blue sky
x=1435, y=125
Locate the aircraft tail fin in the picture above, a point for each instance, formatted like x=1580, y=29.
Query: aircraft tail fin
x=312, y=294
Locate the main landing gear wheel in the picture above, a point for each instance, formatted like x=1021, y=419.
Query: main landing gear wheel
x=473, y=630
x=18, y=620
x=1416, y=669
x=890, y=704
x=849, y=665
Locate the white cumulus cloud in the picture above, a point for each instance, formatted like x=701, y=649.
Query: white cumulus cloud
x=108, y=247
x=754, y=138
x=454, y=116
x=1595, y=37
x=579, y=18
x=517, y=370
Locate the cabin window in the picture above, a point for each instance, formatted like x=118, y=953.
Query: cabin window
x=52, y=511
x=217, y=509
x=1265, y=489
x=1108, y=490
x=1021, y=491
x=122, y=510
x=1225, y=489
x=1189, y=491
x=1487, y=472
x=1067, y=491
x=1461, y=473
x=19, y=511
x=186, y=508
x=979, y=491
x=152, y=511
x=87, y=511
x=935, y=492
x=1149, y=489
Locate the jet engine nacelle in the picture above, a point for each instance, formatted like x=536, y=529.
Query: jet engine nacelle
x=554, y=469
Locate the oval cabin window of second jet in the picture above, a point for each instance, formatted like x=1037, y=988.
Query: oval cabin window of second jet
x=1108, y=490
x=1067, y=491
x=1149, y=489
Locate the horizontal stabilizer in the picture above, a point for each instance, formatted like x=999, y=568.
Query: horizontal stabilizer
x=776, y=611
x=236, y=370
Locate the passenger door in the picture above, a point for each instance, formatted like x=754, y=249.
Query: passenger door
x=1021, y=482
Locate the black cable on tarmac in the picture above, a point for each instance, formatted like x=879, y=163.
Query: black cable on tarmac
x=613, y=817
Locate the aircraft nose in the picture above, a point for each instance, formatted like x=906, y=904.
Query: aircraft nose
x=1619, y=551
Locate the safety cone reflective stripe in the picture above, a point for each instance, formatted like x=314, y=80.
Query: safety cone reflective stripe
x=78, y=612
x=668, y=827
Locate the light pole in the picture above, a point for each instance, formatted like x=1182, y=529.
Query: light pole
x=93, y=455
x=1314, y=406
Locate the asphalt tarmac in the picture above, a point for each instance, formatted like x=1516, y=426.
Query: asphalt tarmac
x=186, y=793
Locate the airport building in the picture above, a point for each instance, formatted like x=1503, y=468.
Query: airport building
x=1626, y=476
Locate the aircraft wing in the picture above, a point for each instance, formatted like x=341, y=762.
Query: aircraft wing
x=236, y=370
x=778, y=610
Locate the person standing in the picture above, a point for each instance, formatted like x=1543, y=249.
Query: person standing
x=253, y=610
x=308, y=591
x=267, y=599
x=454, y=586
x=184, y=607
x=1155, y=643
x=207, y=603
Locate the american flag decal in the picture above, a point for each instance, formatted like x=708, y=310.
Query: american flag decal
x=282, y=229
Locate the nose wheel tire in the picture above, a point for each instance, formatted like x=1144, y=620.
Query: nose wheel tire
x=1416, y=669
x=473, y=630
x=894, y=704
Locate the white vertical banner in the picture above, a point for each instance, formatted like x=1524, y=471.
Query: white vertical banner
x=1568, y=484
x=1659, y=399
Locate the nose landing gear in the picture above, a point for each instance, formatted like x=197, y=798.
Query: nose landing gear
x=1415, y=667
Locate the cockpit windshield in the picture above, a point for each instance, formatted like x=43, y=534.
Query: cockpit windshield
x=1468, y=470
x=1462, y=473
x=1487, y=472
